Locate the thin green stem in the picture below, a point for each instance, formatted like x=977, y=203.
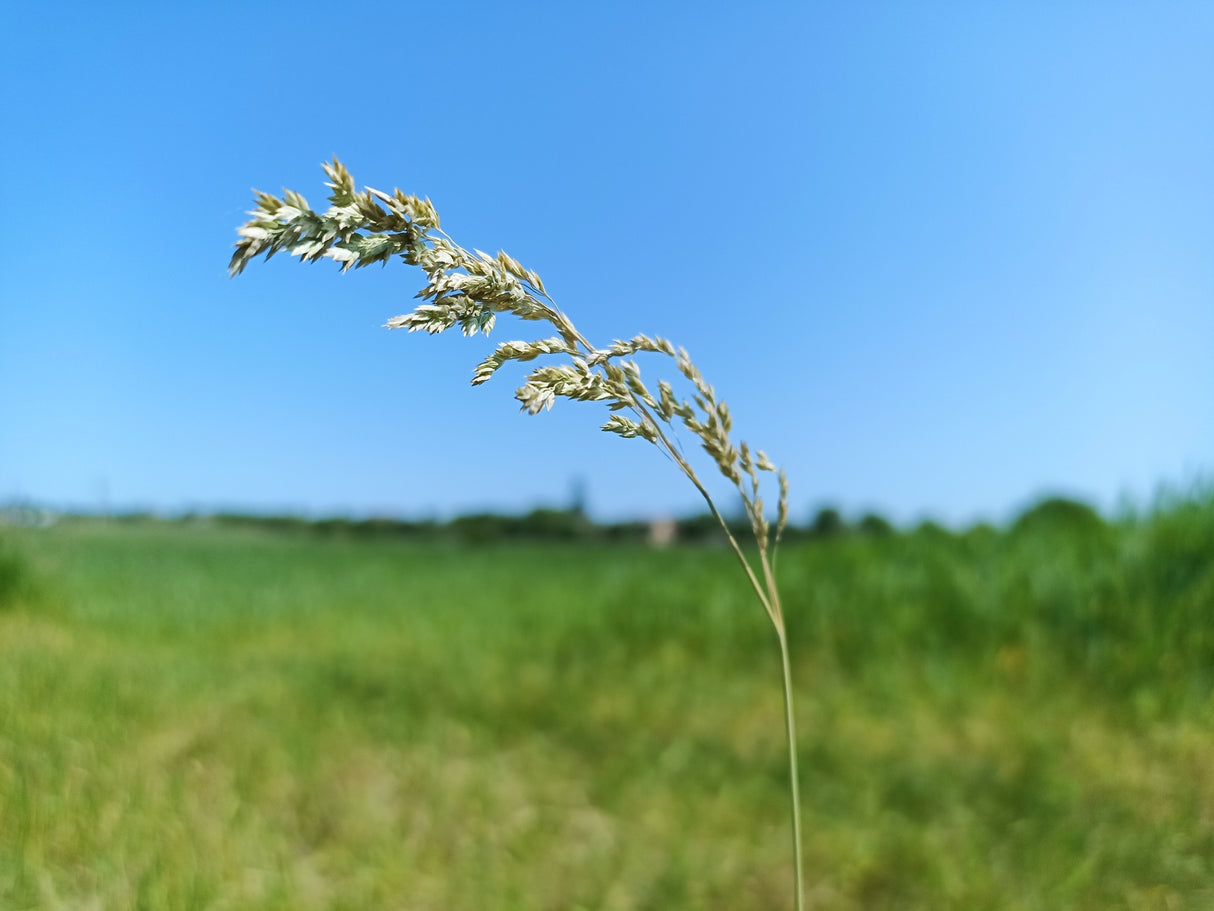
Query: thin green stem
x=791, y=728
x=771, y=603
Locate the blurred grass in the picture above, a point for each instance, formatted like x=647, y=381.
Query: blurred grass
x=1015, y=719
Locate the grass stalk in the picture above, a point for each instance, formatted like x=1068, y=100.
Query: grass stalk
x=470, y=289
x=790, y=726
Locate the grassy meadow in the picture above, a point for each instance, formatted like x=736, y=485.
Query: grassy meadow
x=209, y=718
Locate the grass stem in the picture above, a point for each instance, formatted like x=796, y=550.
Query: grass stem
x=791, y=728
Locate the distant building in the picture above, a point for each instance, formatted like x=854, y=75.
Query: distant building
x=663, y=532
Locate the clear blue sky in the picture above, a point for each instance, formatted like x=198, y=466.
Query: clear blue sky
x=940, y=258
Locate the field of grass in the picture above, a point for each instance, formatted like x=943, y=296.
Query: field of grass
x=195, y=718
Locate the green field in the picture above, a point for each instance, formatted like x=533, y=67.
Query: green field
x=200, y=718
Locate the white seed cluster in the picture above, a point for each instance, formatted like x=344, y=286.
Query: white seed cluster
x=470, y=288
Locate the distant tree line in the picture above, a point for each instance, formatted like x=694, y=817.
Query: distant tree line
x=549, y=524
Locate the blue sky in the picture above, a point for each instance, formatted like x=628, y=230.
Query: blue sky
x=940, y=258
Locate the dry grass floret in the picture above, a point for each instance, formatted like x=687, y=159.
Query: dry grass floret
x=469, y=289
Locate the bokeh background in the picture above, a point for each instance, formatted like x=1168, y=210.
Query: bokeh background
x=293, y=618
